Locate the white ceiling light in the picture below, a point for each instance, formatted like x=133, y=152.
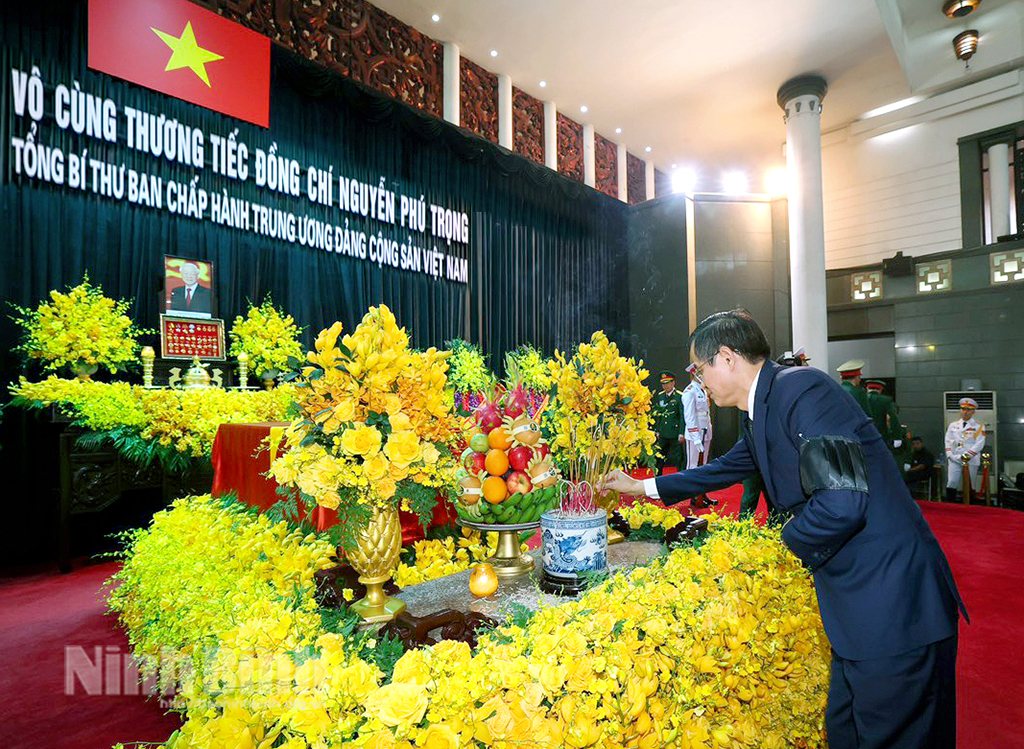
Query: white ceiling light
x=648, y=149
x=494, y=53
x=618, y=131
x=583, y=109
x=684, y=181
x=543, y=84
x=435, y=18
x=776, y=181
x=734, y=183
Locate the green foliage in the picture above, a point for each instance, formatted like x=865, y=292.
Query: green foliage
x=132, y=447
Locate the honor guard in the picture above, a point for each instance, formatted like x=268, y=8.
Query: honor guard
x=668, y=422
x=697, y=421
x=886, y=415
x=965, y=438
x=850, y=372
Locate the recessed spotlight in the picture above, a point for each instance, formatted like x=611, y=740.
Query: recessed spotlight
x=494, y=53
x=583, y=109
x=435, y=18
x=673, y=166
x=618, y=131
x=648, y=149
x=543, y=84
x=960, y=8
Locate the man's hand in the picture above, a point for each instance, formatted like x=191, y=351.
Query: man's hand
x=968, y=454
x=682, y=438
x=617, y=481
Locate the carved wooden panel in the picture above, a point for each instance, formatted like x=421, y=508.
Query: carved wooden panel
x=636, y=179
x=662, y=184
x=606, y=166
x=570, y=147
x=479, y=100
x=352, y=37
x=527, y=126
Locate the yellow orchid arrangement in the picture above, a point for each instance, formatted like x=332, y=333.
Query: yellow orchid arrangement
x=601, y=412
x=79, y=329
x=712, y=647
x=376, y=423
x=267, y=336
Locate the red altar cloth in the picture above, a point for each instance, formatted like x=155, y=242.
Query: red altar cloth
x=241, y=460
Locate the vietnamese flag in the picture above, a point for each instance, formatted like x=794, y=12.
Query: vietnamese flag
x=182, y=50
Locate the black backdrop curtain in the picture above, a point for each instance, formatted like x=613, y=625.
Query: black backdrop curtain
x=547, y=256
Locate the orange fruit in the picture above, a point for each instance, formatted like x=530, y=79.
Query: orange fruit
x=483, y=580
x=496, y=462
x=499, y=439
x=495, y=489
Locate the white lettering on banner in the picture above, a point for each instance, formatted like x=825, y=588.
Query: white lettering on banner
x=154, y=135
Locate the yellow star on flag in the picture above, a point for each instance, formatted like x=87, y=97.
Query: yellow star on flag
x=186, y=53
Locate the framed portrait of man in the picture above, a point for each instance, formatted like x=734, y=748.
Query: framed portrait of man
x=188, y=287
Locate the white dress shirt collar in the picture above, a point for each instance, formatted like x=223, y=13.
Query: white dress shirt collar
x=753, y=392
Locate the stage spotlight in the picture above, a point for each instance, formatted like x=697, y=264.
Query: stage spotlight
x=776, y=181
x=684, y=181
x=734, y=183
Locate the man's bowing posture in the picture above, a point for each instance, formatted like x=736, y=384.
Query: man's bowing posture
x=885, y=590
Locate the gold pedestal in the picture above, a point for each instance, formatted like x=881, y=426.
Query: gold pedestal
x=375, y=606
x=508, y=560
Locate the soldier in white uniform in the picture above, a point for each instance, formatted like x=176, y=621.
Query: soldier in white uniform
x=965, y=438
x=697, y=426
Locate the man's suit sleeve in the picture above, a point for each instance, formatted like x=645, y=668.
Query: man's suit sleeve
x=721, y=472
x=831, y=515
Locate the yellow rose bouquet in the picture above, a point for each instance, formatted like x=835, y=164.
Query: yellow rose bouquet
x=601, y=413
x=375, y=426
x=268, y=337
x=81, y=329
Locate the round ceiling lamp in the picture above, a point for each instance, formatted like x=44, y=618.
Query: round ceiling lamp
x=965, y=44
x=960, y=8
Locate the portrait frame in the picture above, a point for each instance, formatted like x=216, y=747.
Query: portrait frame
x=174, y=301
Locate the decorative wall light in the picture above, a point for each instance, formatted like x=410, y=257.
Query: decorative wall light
x=960, y=8
x=866, y=286
x=1007, y=267
x=965, y=44
x=934, y=276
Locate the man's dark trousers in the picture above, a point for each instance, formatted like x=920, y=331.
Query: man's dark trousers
x=907, y=700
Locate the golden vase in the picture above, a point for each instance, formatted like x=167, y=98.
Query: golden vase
x=609, y=502
x=375, y=558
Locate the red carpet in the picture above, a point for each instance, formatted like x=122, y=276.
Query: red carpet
x=42, y=615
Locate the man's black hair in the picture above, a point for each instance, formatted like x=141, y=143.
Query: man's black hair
x=735, y=329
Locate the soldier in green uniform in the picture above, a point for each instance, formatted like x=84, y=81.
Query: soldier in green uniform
x=668, y=422
x=886, y=415
x=850, y=372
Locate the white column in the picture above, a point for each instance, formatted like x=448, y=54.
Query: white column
x=452, y=83
x=550, y=135
x=800, y=98
x=620, y=165
x=505, y=111
x=589, y=157
x=649, y=175
x=999, y=189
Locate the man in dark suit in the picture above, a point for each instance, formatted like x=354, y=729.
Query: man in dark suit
x=191, y=297
x=885, y=590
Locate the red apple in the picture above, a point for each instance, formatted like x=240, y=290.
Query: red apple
x=474, y=461
x=542, y=449
x=519, y=457
x=519, y=482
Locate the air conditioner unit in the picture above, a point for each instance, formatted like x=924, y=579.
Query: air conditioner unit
x=986, y=413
